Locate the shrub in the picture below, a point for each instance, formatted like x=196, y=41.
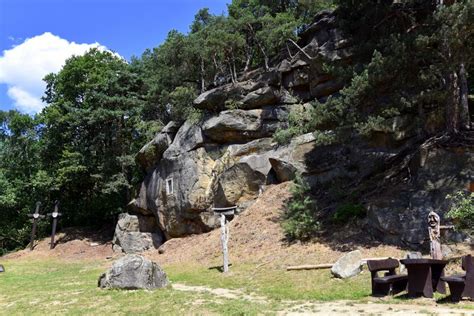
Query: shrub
x=347, y=212
x=462, y=210
x=299, y=218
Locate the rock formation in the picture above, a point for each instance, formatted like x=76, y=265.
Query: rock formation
x=133, y=272
x=229, y=156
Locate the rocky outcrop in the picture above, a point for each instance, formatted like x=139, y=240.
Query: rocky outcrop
x=152, y=152
x=238, y=126
x=229, y=156
x=134, y=272
x=399, y=214
x=136, y=233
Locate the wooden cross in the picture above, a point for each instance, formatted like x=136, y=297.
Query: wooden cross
x=55, y=214
x=223, y=212
x=36, y=216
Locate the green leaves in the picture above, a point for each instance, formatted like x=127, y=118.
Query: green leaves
x=462, y=210
x=300, y=218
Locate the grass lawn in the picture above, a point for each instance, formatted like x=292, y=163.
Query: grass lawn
x=55, y=287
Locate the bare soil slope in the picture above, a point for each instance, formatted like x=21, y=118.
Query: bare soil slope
x=71, y=245
x=256, y=236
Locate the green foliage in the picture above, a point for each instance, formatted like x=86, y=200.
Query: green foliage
x=232, y=104
x=300, y=220
x=90, y=131
x=347, y=212
x=298, y=124
x=462, y=210
x=405, y=54
x=284, y=135
x=22, y=182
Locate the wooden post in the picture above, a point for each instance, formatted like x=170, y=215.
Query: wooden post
x=223, y=213
x=36, y=217
x=224, y=240
x=55, y=216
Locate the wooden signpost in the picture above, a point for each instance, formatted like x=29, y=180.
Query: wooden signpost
x=55, y=216
x=36, y=216
x=225, y=213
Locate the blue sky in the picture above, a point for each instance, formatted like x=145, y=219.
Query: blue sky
x=37, y=35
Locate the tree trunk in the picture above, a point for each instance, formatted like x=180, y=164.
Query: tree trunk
x=217, y=70
x=231, y=72
x=203, y=83
x=235, y=70
x=249, y=59
x=452, y=106
x=464, y=101
x=260, y=46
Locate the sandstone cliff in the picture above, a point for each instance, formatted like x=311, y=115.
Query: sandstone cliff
x=229, y=156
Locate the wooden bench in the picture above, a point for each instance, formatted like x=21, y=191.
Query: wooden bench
x=389, y=284
x=462, y=285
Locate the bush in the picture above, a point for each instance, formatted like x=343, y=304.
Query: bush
x=299, y=218
x=347, y=212
x=462, y=210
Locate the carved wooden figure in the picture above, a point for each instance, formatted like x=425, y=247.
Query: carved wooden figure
x=434, y=233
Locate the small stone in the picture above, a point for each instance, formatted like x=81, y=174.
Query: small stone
x=94, y=244
x=410, y=255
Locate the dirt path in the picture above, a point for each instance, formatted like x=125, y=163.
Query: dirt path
x=349, y=308
x=331, y=308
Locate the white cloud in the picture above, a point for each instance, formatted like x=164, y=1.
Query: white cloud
x=23, y=67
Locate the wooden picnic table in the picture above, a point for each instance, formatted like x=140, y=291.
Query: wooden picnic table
x=424, y=276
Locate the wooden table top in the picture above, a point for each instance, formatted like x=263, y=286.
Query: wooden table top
x=423, y=261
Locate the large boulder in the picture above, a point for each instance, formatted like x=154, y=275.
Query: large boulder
x=216, y=98
x=238, y=184
x=150, y=154
x=239, y=126
x=348, y=265
x=178, y=192
x=136, y=233
x=188, y=137
x=133, y=272
x=260, y=97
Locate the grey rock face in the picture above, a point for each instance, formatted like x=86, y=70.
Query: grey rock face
x=215, y=99
x=238, y=184
x=227, y=158
x=348, y=265
x=153, y=151
x=137, y=242
x=400, y=214
x=238, y=126
x=136, y=233
x=260, y=97
x=134, y=272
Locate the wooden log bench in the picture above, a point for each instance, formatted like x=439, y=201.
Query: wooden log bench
x=462, y=285
x=389, y=284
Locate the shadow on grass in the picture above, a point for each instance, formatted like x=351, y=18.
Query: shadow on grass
x=219, y=268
